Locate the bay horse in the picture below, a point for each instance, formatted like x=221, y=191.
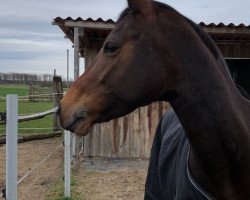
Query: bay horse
x=156, y=54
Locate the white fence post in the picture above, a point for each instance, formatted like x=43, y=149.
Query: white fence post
x=11, y=147
x=67, y=163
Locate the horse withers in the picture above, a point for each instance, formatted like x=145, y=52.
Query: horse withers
x=156, y=54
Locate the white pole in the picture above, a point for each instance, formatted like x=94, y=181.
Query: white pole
x=11, y=147
x=67, y=163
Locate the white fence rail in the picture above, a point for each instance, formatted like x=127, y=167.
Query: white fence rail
x=34, y=116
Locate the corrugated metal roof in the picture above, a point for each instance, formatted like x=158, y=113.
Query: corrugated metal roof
x=222, y=25
x=59, y=19
x=93, y=32
x=96, y=30
x=203, y=24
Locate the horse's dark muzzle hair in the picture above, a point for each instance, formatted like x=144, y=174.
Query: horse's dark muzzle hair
x=76, y=118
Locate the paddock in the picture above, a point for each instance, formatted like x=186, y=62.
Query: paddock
x=42, y=169
x=12, y=119
x=44, y=177
x=98, y=178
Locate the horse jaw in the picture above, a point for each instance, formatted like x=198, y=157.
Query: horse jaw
x=83, y=128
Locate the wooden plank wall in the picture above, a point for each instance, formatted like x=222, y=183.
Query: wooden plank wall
x=234, y=50
x=126, y=137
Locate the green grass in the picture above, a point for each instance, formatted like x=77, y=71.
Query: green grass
x=57, y=191
x=20, y=90
x=44, y=125
x=26, y=108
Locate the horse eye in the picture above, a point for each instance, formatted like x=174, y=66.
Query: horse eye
x=110, y=48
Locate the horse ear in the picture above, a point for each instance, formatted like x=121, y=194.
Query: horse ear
x=143, y=6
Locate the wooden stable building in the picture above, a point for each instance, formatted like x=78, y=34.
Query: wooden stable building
x=132, y=135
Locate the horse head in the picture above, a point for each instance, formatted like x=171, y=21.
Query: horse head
x=138, y=64
x=124, y=75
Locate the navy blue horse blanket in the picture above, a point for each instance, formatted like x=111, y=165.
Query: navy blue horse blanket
x=168, y=176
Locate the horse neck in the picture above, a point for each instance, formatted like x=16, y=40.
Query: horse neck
x=213, y=113
x=216, y=121
x=208, y=102
x=206, y=91
x=211, y=101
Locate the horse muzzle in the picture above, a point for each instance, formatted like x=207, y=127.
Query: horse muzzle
x=76, y=121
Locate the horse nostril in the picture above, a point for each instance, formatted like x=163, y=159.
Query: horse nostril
x=59, y=109
x=81, y=115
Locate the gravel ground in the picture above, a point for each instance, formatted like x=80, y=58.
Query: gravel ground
x=113, y=179
x=98, y=178
x=38, y=184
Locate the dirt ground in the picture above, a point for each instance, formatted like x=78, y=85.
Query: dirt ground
x=116, y=179
x=37, y=185
x=98, y=179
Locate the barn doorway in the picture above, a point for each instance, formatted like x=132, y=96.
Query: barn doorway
x=240, y=69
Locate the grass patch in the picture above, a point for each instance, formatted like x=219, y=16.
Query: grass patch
x=57, y=191
x=42, y=125
x=21, y=90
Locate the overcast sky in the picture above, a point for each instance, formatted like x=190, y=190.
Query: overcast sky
x=30, y=44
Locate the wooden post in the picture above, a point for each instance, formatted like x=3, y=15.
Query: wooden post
x=58, y=94
x=90, y=52
x=76, y=75
x=31, y=93
x=76, y=53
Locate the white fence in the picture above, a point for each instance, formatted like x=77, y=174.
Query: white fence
x=12, y=120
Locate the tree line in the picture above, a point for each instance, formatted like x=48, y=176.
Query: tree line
x=27, y=79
